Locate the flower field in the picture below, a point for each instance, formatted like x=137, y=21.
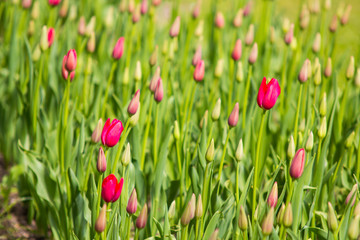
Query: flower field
x=150, y=119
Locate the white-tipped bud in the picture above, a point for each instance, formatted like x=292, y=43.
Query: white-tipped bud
x=216, y=111
x=239, y=154
x=291, y=148
x=126, y=156
x=310, y=142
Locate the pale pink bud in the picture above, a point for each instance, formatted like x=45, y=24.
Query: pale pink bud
x=317, y=43
x=273, y=196
x=119, y=48
x=144, y=7
x=131, y=6
x=253, y=54
x=333, y=24
x=90, y=46
x=199, y=71
x=345, y=17
x=100, y=223
x=154, y=80
x=236, y=53
x=175, y=28
x=289, y=35
x=136, y=15
x=96, y=135
x=247, y=9
x=26, y=3
x=249, y=38
x=196, y=11
x=197, y=56
x=238, y=19
x=303, y=75
x=297, y=164
x=142, y=218
x=101, y=162
x=132, y=203
x=315, y=6
x=219, y=20
x=159, y=91
x=82, y=26
x=156, y=2
x=234, y=116
x=134, y=103
x=328, y=68
x=351, y=197
x=64, y=9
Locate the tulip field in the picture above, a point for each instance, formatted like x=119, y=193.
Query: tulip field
x=150, y=119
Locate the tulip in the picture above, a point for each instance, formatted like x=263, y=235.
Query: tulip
x=90, y=46
x=91, y=26
x=357, y=209
x=188, y=213
x=126, y=156
x=175, y=28
x=333, y=24
x=26, y=3
x=239, y=154
x=280, y=216
x=199, y=208
x=253, y=54
x=101, y=162
x=44, y=42
x=323, y=105
x=65, y=72
x=153, y=57
x=268, y=93
x=291, y=148
x=288, y=216
x=131, y=6
x=199, y=29
x=31, y=28
x=159, y=91
x=96, y=135
x=357, y=78
x=196, y=11
x=154, y=80
x=71, y=60
x=118, y=49
x=100, y=223
x=328, y=68
x=171, y=212
x=215, y=115
x=219, y=20
x=236, y=53
x=351, y=197
x=273, y=196
x=219, y=68
x=142, y=218
x=204, y=119
x=199, y=71
x=289, y=35
x=214, y=235
x=144, y=7
x=345, y=17
x=156, y=2
x=35, y=10
x=210, y=152
x=351, y=68
x=132, y=203
x=317, y=43
x=354, y=230
x=64, y=9
x=304, y=18
x=268, y=222
x=240, y=72
x=243, y=224
x=138, y=73
x=310, y=142
x=297, y=164
x=249, y=38
x=176, y=130
x=197, y=56
x=303, y=75
x=234, y=116
x=134, y=103
x=322, y=128
x=331, y=218
x=82, y=26
x=111, y=132
x=136, y=15
x=247, y=8
x=111, y=188
x=54, y=2
x=237, y=22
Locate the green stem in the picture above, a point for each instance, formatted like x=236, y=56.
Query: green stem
x=358, y=162
x=136, y=234
x=297, y=114
x=128, y=220
x=197, y=229
x=247, y=88
x=147, y=128
x=205, y=197
x=257, y=156
x=155, y=134
x=222, y=159
x=36, y=95
x=245, y=236
x=66, y=112
x=88, y=168
x=342, y=108
x=231, y=85
x=237, y=183
x=184, y=232
x=283, y=79
x=210, y=134
x=121, y=144
x=112, y=71
x=191, y=104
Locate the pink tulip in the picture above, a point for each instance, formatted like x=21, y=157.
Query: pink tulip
x=65, y=72
x=234, y=116
x=236, y=53
x=71, y=60
x=247, y=9
x=134, y=103
x=142, y=218
x=82, y=26
x=111, y=188
x=159, y=91
x=297, y=164
x=175, y=28
x=197, y=56
x=132, y=203
x=144, y=7
x=289, y=35
x=101, y=162
x=268, y=93
x=196, y=11
x=111, y=132
x=54, y=2
x=26, y=3
x=154, y=80
x=119, y=48
x=273, y=196
x=199, y=71
x=51, y=35
x=156, y=2
x=219, y=20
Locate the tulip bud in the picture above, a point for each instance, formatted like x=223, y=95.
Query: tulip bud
x=247, y=9
x=197, y=56
x=118, y=49
x=317, y=73
x=291, y=148
x=131, y=6
x=352, y=195
x=357, y=209
x=156, y=2
x=303, y=75
x=345, y=17
x=133, y=120
x=196, y=11
x=214, y=235
x=136, y=14
x=304, y=18
x=44, y=39
x=268, y=222
x=234, y=116
x=317, y=43
x=236, y=53
x=323, y=105
x=101, y=162
x=31, y=28
x=189, y=212
x=100, y=223
x=91, y=26
x=91, y=43
x=109, y=17
x=273, y=196
x=199, y=29
x=286, y=25
x=219, y=20
x=243, y=224
x=288, y=216
x=219, y=68
x=138, y=74
x=331, y=218
x=64, y=9
x=322, y=128
x=216, y=111
x=297, y=164
x=203, y=121
x=280, y=216
x=268, y=93
x=240, y=72
x=199, y=71
x=310, y=142
x=54, y=2
x=159, y=91
x=315, y=6
x=357, y=78
x=153, y=57
x=154, y=80
x=328, y=68
x=142, y=218
x=82, y=26
x=353, y=231
x=253, y=54
x=172, y=49
x=171, y=212
x=73, y=13
x=35, y=10
x=199, y=208
x=327, y=5
x=289, y=35
x=333, y=24
x=175, y=28
x=351, y=68
x=210, y=152
x=126, y=76
x=134, y=103
x=239, y=154
x=249, y=38
x=132, y=203
x=126, y=156
x=293, y=44
x=237, y=22
x=71, y=60
x=26, y=3
x=302, y=125
x=176, y=130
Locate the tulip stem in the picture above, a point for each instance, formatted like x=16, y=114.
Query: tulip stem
x=222, y=159
x=237, y=183
x=283, y=79
x=205, y=197
x=210, y=134
x=121, y=144
x=88, y=168
x=247, y=88
x=128, y=220
x=191, y=103
x=184, y=233
x=36, y=96
x=112, y=71
x=297, y=114
x=256, y=167
x=155, y=134
x=358, y=162
x=231, y=84
x=148, y=120
x=196, y=229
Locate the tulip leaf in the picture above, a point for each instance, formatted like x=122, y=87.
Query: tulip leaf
x=210, y=228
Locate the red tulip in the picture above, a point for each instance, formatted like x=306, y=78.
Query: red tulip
x=54, y=2
x=71, y=60
x=51, y=35
x=199, y=71
x=111, y=132
x=111, y=188
x=65, y=72
x=119, y=48
x=268, y=93
x=297, y=164
x=236, y=53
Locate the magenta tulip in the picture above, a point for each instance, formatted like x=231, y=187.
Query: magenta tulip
x=297, y=164
x=159, y=91
x=71, y=60
x=51, y=35
x=111, y=188
x=119, y=48
x=54, y=2
x=199, y=71
x=236, y=53
x=65, y=72
x=268, y=93
x=111, y=132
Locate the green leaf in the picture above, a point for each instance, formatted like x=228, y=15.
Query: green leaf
x=210, y=228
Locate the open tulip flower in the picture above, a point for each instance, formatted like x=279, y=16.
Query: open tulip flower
x=268, y=93
x=111, y=188
x=111, y=132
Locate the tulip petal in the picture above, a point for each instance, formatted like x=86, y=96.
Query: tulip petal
x=118, y=190
x=108, y=188
x=104, y=131
x=114, y=132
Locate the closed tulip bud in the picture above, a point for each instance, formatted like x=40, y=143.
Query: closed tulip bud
x=126, y=156
x=357, y=209
x=351, y=68
x=137, y=75
x=268, y=222
x=54, y=2
x=44, y=39
x=82, y=26
x=239, y=154
x=118, y=49
x=288, y=216
x=188, y=213
x=101, y=162
x=197, y=56
x=331, y=218
x=199, y=29
x=322, y=128
x=26, y=4
x=240, y=72
x=142, y=218
x=219, y=20
x=310, y=142
x=71, y=60
x=291, y=148
x=73, y=13
x=91, y=26
x=172, y=49
x=159, y=91
x=154, y=56
x=196, y=10
x=144, y=7
x=111, y=188
x=323, y=105
x=109, y=17
x=303, y=75
x=100, y=223
x=317, y=43
x=210, y=152
x=333, y=24
x=134, y=103
x=132, y=203
x=268, y=93
x=214, y=235
x=286, y=25
x=234, y=116
x=176, y=130
x=219, y=68
x=91, y=43
x=357, y=78
x=199, y=71
x=136, y=14
x=253, y=54
x=328, y=68
x=126, y=76
x=304, y=17
x=317, y=76
x=154, y=80
x=280, y=216
x=249, y=38
x=351, y=196
x=247, y=9
x=175, y=28
x=297, y=164
x=354, y=231
x=216, y=111
x=242, y=222
x=238, y=19
x=31, y=28
x=35, y=10
x=171, y=212
x=345, y=17
x=203, y=121
x=156, y=2
x=111, y=132
x=133, y=120
x=64, y=9
x=199, y=208
x=272, y=34
x=64, y=71
x=273, y=196
x=131, y=6
x=302, y=125
x=289, y=35
x=315, y=7
x=236, y=53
